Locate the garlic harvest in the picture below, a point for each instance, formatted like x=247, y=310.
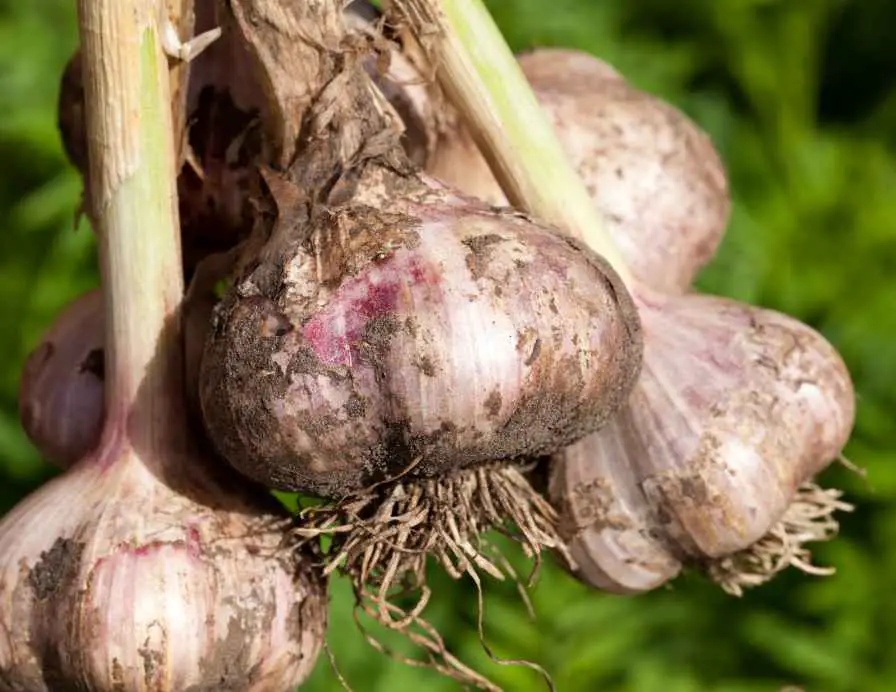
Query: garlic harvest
x=146, y=566
x=654, y=176
x=771, y=401
x=736, y=408
x=437, y=332
x=61, y=392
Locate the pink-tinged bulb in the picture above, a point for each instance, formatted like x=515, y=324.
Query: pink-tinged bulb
x=441, y=336
x=120, y=574
x=736, y=407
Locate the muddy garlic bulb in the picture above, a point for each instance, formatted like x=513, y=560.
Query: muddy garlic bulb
x=655, y=177
x=146, y=566
x=144, y=569
x=436, y=335
x=736, y=409
x=61, y=391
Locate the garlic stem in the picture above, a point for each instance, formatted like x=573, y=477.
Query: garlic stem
x=483, y=80
x=132, y=172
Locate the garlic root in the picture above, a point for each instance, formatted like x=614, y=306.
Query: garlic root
x=808, y=518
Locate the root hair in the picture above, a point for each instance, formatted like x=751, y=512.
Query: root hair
x=383, y=535
x=808, y=519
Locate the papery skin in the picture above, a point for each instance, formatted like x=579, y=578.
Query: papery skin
x=653, y=174
x=113, y=577
x=439, y=334
x=61, y=403
x=736, y=406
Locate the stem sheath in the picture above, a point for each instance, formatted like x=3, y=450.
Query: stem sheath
x=133, y=190
x=484, y=81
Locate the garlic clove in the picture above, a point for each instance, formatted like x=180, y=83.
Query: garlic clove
x=61, y=403
x=736, y=407
x=607, y=521
x=111, y=579
x=437, y=335
x=654, y=175
x=780, y=409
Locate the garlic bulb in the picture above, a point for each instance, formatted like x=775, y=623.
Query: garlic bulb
x=61, y=392
x=61, y=400
x=735, y=409
x=144, y=568
x=655, y=177
x=437, y=331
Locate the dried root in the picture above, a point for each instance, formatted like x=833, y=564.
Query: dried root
x=808, y=519
x=383, y=535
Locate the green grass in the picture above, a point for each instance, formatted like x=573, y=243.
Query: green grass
x=799, y=98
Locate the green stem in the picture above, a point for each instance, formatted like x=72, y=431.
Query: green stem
x=484, y=81
x=134, y=194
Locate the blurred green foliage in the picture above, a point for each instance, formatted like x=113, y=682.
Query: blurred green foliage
x=799, y=97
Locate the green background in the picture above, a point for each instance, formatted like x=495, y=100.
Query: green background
x=798, y=96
